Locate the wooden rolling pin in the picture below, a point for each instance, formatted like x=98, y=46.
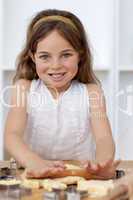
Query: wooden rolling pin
x=71, y=170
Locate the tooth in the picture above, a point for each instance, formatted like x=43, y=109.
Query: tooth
x=57, y=75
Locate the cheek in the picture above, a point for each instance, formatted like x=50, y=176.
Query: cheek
x=72, y=66
x=40, y=69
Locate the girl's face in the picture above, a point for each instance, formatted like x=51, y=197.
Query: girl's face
x=56, y=61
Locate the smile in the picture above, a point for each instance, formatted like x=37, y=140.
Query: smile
x=57, y=76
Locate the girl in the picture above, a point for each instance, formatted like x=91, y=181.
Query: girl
x=62, y=115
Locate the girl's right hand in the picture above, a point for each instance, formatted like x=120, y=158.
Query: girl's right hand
x=43, y=168
x=104, y=170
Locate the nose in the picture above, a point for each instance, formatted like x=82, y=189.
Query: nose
x=56, y=64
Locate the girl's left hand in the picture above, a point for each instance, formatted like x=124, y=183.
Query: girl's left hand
x=104, y=170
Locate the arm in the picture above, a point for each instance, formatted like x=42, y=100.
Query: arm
x=15, y=127
x=101, y=130
x=14, y=132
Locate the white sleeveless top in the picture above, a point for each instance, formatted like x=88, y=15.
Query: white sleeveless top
x=59, y=129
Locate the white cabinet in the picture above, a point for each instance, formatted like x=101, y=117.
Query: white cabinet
x=125, y=80
x=110, y=31
x=1, y=80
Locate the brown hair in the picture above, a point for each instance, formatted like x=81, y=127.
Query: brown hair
x=71, y=29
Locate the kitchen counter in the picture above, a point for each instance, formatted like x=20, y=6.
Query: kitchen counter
x=127, y=166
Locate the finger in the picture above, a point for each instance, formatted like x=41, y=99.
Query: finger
x=29, y=174
x=94, y=166
x=101, y=167
x=116, y=163
x=38, y=174
x=84, y=163
x=54, y=170
x=89, y=167
x=41, y=173
x=106, y=164
x=57, y=170
x=59, y=164
x=89, y=164
x=60, y=169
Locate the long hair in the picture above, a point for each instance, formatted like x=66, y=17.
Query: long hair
x=75, y=35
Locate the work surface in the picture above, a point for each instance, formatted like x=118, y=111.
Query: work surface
x=37, y=194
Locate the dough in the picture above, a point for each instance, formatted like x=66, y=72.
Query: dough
x=10, y=182
x=71, y=170
x=49, y=185
x=31, y=183
x=68, y=180
x=95, y=188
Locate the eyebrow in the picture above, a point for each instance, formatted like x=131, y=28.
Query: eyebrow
x=66, y=50
x=63, y=51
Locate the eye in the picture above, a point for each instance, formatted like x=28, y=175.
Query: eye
x=66, y=55
x=44, y=57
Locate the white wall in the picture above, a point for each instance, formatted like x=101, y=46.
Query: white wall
x=126, y=32
x=1, y=62
x=1, y=32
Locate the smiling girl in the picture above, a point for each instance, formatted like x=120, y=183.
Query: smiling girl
x=64, y=114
